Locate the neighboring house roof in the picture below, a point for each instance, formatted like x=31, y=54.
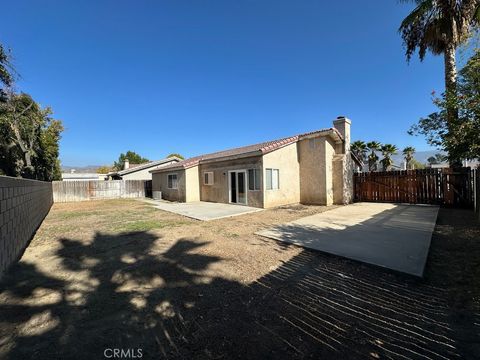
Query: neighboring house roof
x=250, y=150
x=137, y=167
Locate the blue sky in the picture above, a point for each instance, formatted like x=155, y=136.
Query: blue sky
x=198, y=76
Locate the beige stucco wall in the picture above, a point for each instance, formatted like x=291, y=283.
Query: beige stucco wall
x=343, y=165
x=329, y=154
x=343, y=168
x=286, y=160
x=316, y=170
x=192, y=188
x=160, y=183
x=144, y=174
x=219, y=191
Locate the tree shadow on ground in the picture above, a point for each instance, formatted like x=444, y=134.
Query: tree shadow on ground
x=121, y=291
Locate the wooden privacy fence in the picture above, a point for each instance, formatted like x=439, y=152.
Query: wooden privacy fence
x=450, y=187
x=66, y=191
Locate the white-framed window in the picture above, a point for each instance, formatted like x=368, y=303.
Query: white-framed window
x=172, y=181
x=253, y=179
x=208, y=177
x=272, y=179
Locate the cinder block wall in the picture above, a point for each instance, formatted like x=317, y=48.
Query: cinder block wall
x=23, y=206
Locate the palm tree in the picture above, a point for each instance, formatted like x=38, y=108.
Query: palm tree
x=359, y=149
x=387, y=151
x=440, y=26
x=408, y=155
x=373, y=147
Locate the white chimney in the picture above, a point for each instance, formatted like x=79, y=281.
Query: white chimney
x=342, y=124
x=126, y=164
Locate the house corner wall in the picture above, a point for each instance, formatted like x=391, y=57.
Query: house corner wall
x=160, y=183
x=286, y=160
x=316, y=170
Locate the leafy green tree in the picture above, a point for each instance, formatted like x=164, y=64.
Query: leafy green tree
x=460, y=138
x=6, y=69
x=47, y=162
x=175, y=155
x=104, y=169
x=359, y=149
x=373, y=147
x=408, y=156
x=440, y=26
x=388, y=150
x=132, y=157
x=28, y=138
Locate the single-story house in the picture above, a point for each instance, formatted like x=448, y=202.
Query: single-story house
x=310, y=168
x=141, y=171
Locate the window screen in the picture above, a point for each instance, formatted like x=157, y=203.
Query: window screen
x=272, y=180
x=268, y=179
x=275, y=179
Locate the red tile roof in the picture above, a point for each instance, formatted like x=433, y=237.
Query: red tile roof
x=261, y=149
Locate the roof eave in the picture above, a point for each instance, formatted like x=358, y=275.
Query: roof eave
x=233, y=157
x=174, y=168
x=154, y=171
x=333, y=133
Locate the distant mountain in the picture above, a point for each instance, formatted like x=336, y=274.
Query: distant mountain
x=420, y=156
x=80, y=169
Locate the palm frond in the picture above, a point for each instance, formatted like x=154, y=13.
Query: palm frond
x=476, y=14
x=419, y=13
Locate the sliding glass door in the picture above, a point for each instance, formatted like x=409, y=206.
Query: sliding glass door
x=238, y=187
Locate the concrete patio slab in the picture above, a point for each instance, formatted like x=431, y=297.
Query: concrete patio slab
x=202, y=210
x=393, y=236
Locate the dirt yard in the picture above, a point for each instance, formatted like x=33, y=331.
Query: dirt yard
x=101, y=276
